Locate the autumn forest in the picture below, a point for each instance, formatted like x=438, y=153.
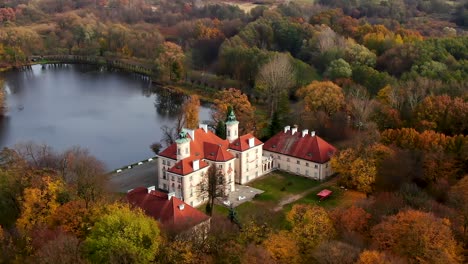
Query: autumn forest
x=385, y=81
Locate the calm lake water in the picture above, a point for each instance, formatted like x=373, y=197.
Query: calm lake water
x=115, y=115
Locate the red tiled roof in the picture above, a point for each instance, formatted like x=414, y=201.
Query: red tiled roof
x=170, y=152
x=242, y=143
x=216, y=152
x=167, y=212
x=185, y=166
x=308, y=148
x=206, y=146
x=197, y=145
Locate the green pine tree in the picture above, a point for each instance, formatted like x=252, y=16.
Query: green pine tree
x=275, y=124
x=221, y=129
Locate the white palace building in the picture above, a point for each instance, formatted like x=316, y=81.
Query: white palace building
x=182, y=166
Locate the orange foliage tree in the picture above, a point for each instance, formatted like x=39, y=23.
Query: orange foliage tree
x=409, y=138
x=421, y=237
x=443, y=114
x=459, y=199
x=372, y=257
x=74, y=217
x=245, y=112
x=352, y=219
x=191, y=111
x=282, y=248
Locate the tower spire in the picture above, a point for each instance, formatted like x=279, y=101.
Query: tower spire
x=232, y=125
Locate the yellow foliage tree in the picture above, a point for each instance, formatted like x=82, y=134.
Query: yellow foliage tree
x=311, y=225
x=322, y=96
x=282, y=247
x=39, y=203
x=358, y=167
x=177, y=252
x=191, y=110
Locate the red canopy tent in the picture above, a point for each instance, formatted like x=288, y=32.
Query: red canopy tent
x=324, y=194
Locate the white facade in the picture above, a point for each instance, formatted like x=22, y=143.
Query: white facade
x=245, y=165
x=306, y=168
x=248, y=164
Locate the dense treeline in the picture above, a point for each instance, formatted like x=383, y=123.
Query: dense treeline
x=386, y=81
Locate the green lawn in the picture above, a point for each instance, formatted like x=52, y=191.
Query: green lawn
x=277, y=185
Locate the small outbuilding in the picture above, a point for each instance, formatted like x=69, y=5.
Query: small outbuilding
x=324, y=194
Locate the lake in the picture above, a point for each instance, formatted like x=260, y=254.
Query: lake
x=115, y=115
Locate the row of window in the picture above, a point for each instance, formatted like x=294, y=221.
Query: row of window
x=298, y=162
x=298, y=171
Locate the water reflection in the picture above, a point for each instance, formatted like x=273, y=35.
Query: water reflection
x=115, y=115
x=168, y=103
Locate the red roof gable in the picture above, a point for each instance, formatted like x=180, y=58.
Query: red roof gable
x=185, y=166
x=197, y=146
x=309, y=147
x=170, y=152
x=216, y=152
x=242, y=143
x=168, y=212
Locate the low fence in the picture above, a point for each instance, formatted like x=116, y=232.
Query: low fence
x=133, y=165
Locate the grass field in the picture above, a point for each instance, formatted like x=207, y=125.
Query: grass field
x=278, y=185
x=339, y=198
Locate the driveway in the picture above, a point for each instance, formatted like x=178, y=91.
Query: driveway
x=139, y=176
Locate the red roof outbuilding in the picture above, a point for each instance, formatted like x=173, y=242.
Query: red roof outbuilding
x=300, y=145
x=171, y=212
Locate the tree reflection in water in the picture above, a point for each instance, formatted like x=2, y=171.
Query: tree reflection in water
x=168, y=103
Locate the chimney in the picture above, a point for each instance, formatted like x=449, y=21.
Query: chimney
x=312, y=133
x=170, y=195
x=196, y=165
x=286, y=129
x=181, y=207
x=204, y=127
x=251, y=142
x=293, y=130
x=191, y=132
x=305, y=132
x=151, y=188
